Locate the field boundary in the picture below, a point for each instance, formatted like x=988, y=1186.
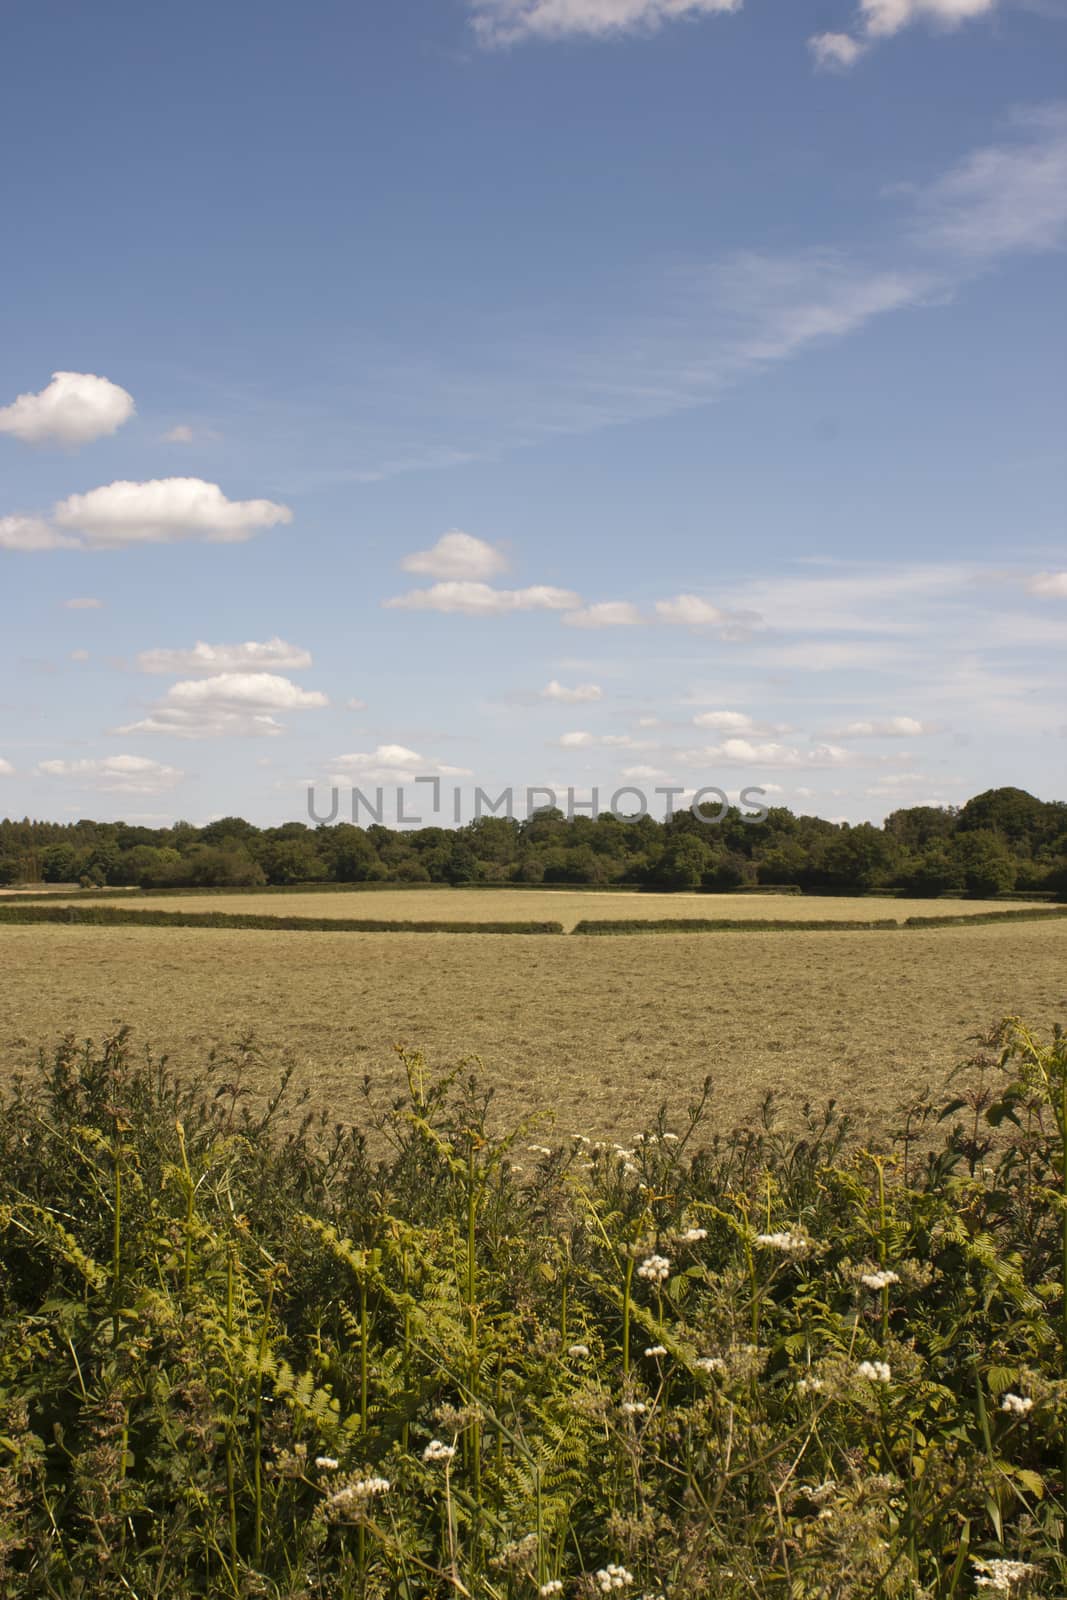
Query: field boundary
x=108, y=916
x=609, y=926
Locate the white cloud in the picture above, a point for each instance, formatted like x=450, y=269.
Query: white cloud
x=605, y=614
x=724, y=721
x=571, y=696
x=74, y=409
x=237, y=704
x=689, y=611
x=581, y=740
x=355, y=704
x=83, y=603
x=743, y=752
x=456, y=555
x=835, y=50
x=888, y=728
x=481, y=600
x=390, y=763
x=501, y=22
x=31, y=533
x=643, y=772
x=217, y=658
x=883, y=18
x=117, y=774
x=163, y=510
x=1050, y=585
x=575, y=741
x=6, y=769
x=79, y=655
x=180, y=434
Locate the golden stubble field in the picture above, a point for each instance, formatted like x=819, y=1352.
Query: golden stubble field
x=567, y=906
x=599, y=1030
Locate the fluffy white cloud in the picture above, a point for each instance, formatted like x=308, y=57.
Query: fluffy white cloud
x=689, y=611
x=83, y=603
x=163, y=510
x=456, y=555
x=31, y=533
x=481, y=599
x=882, y=18
x=605, y=614
x=724, y=721
x=581, y=740
x=1049, y=585
x=6, y=769
x=74, y=409
x=116, y=774
x=743, y=752
x=575, y=695
x=508, y=21
x=390, y=763
x=217, y=658
x=835, y=49
x=888, y=728
x=239, y=704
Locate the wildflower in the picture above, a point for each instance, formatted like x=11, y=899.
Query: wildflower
x=878, y=1280
x=436, y=1451
x=790, y=1244
x=1001, y=1576
x=810, y=1385
x=539, y=1149
x=694, y=1235
x=655, y=1269
x=710, y=1363
x=633, y=1408
x=327, y=1463
x=578, y=1350
x=1017, y=1404
x=673, y=1137
x=656, y=1350
x=874, y=1371
x=356, y=1494
x=553, y=1586
x=613, y=1577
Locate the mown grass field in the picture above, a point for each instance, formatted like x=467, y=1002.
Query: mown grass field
x=567, y=906
x=603, y=1030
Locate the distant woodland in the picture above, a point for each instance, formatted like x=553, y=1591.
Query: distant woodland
x=1001, y=841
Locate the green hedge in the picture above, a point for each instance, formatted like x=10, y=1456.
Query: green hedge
x=107, y=916
x=726, y=925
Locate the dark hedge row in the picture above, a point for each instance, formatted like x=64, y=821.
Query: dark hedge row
x=125, y=916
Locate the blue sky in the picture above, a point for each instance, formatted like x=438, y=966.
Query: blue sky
x=580, y=392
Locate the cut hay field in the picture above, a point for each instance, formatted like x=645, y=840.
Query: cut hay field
x=603, y=1030
x=567, y=906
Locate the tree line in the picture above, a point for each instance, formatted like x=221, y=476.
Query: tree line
x=1002, y=840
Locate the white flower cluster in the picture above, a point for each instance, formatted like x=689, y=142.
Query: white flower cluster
x=1017, y=1404
x=436, y=1451
x=790, y=1244
x=710, y=1363
x=633, y=1408
x=356, y=1494
x=812, y=1385
x=578, y=1350
x=327, y=1463
x=612, y=1577
x=1002, y=1576
x=874, y=1371
x=655, y=1269
x=655, y=1350
x=553, y=1586
x=878, y=1280
x=694, y=1235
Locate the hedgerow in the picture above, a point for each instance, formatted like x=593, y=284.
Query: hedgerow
x=109, y=916
x=244, y=1353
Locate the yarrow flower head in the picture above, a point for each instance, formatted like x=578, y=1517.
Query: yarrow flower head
x=790, y=1244
x=878, y=1280
x=436, y=1451
x=710, y=1364
x=874, y=1371
x=655, y=1350
x=633, y=1408
x=612, y=1577
x=1017, y=1404
x=356, y=1494
x=655, y=1269
x=578, y=1350
x=694, y=1235
x=1002, y=1576
x=327, y=1463
x=553, y=1586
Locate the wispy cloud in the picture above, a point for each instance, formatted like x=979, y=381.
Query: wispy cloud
x=273, y=654
x=482, y=600
x=121, y=774
x=504, y=22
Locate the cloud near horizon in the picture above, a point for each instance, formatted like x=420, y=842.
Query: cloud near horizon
x=115, y=774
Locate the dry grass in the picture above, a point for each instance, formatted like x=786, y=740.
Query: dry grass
x=602, y=1029
x=556, y=905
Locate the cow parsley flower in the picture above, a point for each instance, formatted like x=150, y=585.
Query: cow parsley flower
x=694, y=1235
x=436, y=1451
x=327, y=1463
x=710, y=1363
x=655, y=1269
x=612, y=1577
x=656, y=1350
x=878, y=1280
x=1001, y=1576
x=874, y=1371
x=578, y=1350
x=633, y=1408
x=1017, y=1404
x=790, y=1244
x=553, y=1586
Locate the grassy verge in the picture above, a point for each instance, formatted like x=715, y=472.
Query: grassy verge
x=241, y=1361
x=109, y=916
